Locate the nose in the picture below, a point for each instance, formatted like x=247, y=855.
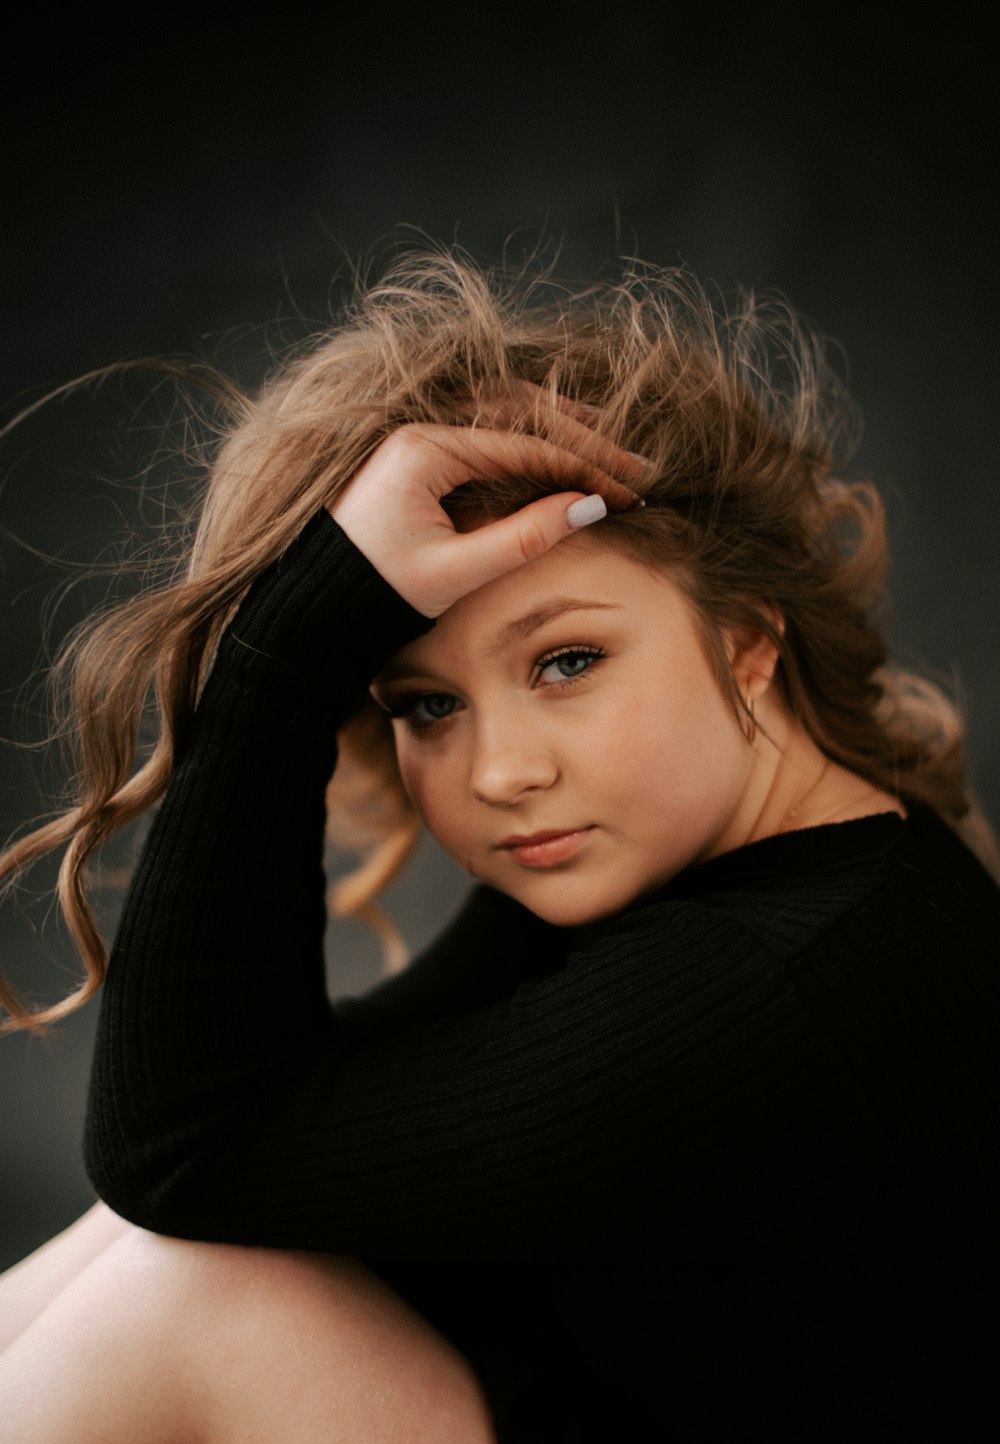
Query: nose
x=510, y=761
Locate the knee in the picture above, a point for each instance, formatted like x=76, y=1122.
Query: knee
x=210, y=1287
x=227, y=1342
x=167, y=1273
x=320, y=1329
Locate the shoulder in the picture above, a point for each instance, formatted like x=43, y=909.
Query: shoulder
x=870, y=914
x=908, y=876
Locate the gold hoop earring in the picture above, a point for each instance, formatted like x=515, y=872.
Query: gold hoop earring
x=751, y=732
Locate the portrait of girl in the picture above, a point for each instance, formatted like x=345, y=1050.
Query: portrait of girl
x=685, y=1126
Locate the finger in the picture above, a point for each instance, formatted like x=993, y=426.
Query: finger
x=579, y=436
x=567, y=423
x=497, y=455
x=470, y=561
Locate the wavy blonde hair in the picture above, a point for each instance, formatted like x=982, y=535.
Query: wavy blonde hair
x=735, y=407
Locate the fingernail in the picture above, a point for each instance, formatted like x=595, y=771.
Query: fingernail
x=642, y=460
x=588, y=509
x=587, y=409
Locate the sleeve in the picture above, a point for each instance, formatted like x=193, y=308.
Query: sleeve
x=509, y=945
x=636, y=1093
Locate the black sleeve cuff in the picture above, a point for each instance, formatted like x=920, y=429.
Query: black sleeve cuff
x=321, y=613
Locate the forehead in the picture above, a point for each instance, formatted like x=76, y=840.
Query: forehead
x=579, y=570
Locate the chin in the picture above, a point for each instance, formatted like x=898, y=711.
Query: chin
x=575, y=912
x=575, y=902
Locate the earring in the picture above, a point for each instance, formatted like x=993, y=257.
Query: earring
x=751, y=732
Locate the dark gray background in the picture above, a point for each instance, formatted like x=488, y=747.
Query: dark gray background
x=203, y=194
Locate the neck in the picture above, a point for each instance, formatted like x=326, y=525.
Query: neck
x=792, y=784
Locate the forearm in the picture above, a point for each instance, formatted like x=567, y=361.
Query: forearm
x=216, y=980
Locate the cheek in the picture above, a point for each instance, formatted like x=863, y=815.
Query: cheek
x=414, y=773
x=680, y=761
x=430, y=785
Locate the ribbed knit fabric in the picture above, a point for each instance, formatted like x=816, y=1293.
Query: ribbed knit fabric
x=726, y=1162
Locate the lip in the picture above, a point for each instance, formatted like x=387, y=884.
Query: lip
x=546, y=849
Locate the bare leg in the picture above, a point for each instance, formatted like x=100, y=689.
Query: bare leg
x=183, y=1343
x=31, y=1285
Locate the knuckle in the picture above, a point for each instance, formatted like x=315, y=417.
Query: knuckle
x=533, y=541
x=403, y=441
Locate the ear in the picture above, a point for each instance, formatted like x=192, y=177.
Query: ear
x=753, y=655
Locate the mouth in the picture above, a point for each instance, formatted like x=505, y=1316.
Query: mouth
x=546, y=849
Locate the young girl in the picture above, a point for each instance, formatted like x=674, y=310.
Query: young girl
x=686, y=1127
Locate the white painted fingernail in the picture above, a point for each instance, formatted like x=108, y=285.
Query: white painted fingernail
x=642, y=460
x=586, y=510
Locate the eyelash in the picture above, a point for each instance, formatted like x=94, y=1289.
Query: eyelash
x=596, y=654
x=405, y=705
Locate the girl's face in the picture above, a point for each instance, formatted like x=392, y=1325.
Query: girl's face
x=563, y=735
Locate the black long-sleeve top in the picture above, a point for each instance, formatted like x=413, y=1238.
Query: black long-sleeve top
x=727, y=1160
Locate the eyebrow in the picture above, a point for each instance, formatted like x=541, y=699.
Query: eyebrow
x=519, y=630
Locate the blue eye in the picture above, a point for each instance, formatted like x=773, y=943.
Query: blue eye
x=568, y=665
x=431, y=707
x=422, y=711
